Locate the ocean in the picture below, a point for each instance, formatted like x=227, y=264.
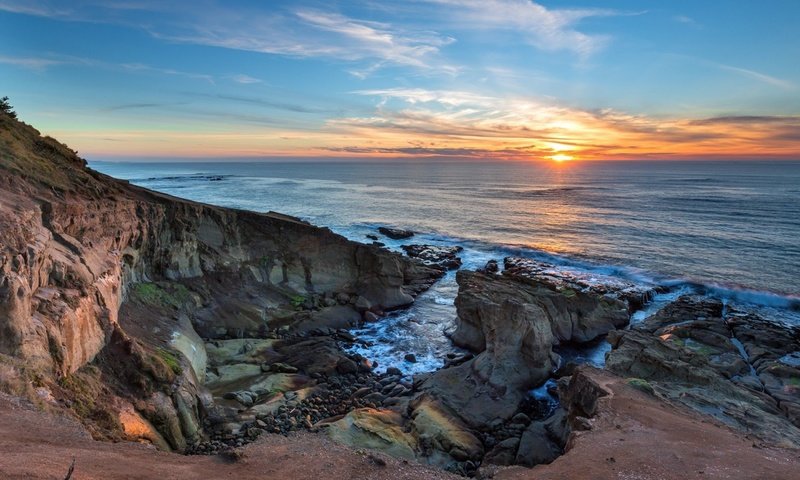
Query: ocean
x=725, y=229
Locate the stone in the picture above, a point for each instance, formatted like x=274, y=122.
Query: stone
x=433, y=255
x=520, y=419
x=374, y=429
x=345, y=366
x=536, y=447
x=396, y=233
x=491, y=267
x=504, y=453
x=410, y=357
x=362, y=304
x=282, y=368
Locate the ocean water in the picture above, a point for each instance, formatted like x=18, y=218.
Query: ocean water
x=725, y=229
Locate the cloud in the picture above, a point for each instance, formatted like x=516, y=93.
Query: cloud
x=262, y=102
x=463, y=123
x=308, y=32
x=420, y=95
x=546, y=29
x=686, y=21
x=138, y=106
x=32, y=63
x=245, y=79
x=313, y=33
x=739, y=71
x=141, y=67
x=748, y=119
x=43, y=63
x=761, y=77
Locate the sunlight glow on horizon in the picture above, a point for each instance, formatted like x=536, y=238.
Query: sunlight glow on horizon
x=492, y=80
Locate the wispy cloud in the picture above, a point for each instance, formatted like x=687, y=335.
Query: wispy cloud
x=314, y=33
x=139, y=106
x=43, y=63
x=686, y=21
x=245, y=79
x=761, y=77
x=261, y=102
x=739, y=71
x=308, y=32
x=32, y=63
x=547, y=29
x=140, y=67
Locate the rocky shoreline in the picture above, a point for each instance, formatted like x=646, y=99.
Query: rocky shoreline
x=201, y=330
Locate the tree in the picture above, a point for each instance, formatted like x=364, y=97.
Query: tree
x=6, y=108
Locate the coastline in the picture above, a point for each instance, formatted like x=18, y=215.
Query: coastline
x=200, y=329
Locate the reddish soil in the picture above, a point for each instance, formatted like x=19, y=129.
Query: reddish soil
x=638, y=437
x=37, y=445
x=633, y=437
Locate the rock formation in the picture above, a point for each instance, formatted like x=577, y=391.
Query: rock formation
x=97, y=273
x=734, y=366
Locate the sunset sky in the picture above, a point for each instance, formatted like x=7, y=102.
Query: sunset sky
x=505, y=79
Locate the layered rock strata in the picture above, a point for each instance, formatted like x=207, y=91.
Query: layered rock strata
x=95, y=272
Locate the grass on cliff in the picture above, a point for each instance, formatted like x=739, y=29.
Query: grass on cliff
x=20, y=381
x=641, y=385
x=170, y=360
x=90, y=399
x=25, y=152
x=161, y=295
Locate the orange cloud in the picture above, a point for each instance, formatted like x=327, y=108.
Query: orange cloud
x=414, y=122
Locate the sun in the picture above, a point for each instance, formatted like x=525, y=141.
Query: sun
x=561, y=157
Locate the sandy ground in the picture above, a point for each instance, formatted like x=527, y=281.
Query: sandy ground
x=634, y=437
x=35, y=445
x=638, y=437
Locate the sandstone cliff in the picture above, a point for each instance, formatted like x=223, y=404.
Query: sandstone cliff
x=76, y=246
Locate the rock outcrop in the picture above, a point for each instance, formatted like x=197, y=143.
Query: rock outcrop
x=434, y=255
x=573, y=315
x=90, y=264
x=733, y=366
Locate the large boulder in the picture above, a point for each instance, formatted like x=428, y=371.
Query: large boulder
x=517, y=356
x=376, y=429
x=573, y=315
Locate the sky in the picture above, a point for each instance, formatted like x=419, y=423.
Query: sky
x=481, y=79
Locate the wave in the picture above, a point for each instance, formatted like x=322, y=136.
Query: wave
x=691, y=180
x=179, y=178
x=730, y=293
x=538, y=192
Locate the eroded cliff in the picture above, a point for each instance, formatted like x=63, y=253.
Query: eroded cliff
x=102, y=279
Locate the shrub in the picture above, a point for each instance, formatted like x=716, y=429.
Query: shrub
x=6, y=108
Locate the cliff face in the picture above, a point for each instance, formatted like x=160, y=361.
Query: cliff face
x=74, y=245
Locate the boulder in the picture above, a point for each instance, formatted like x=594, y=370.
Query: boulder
x=491, y=267
x=376, y=429
x=573, y=316
x=434, y=255
x=536, y=447
x=517, y=356
x=396, y=233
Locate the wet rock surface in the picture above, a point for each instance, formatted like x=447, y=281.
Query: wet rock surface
x=434, y=255
x=395, y=233
x=632, y=294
